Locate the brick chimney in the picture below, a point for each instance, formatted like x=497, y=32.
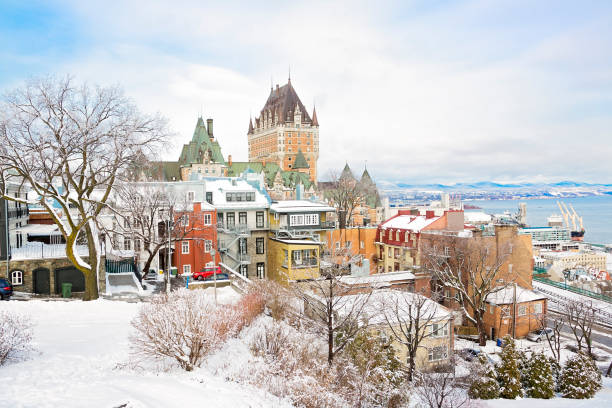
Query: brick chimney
x=229, y=160
x=209, y=126
x=429, y=214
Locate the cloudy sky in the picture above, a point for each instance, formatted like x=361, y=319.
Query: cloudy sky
x=423, y=90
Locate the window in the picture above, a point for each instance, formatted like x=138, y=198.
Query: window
x=537, y=308
x=185, y=219
x=522, y=310
x=337, y=245
x=231, y=219
x=407, y=236
x=207, y=246
x=207, y=219
x=185, y=247
x=446, y=251
x=242, y=246
x=259, y=245
x=242, y=218
x=439, y=330
x=137, y=245
x=390, y=234
x=191, y=195
x=244, y=270
x=259, y=219
x=397, y=233
x=438, y=353
x=242, y=196
x=389, y=253
x=126, y=222
x=186, y=269
x=127, y=244
x=361, y=244
x=349, y=244
x=304, y=219
x=17, y=277
x=261, y=270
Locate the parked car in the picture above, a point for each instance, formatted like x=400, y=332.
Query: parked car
x=151, y=275
x=540, y=335
x=470, y=354
x=208, y=274
x=6, y=289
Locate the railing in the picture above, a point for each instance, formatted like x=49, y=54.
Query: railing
x=242, y=259
x=233, y=228
x=38, y=250
x=570, y=288
x=18, y=212
x=306, y=263
x=328, y=224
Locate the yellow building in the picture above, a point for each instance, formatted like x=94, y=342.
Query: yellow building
x=297, y=232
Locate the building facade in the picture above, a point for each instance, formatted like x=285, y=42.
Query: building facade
x=285, y=134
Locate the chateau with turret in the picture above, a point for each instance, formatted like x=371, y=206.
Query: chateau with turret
x=285, y=134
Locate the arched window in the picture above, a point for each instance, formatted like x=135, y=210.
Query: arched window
x=17, y=277
x=407, y=236
x=397, y=235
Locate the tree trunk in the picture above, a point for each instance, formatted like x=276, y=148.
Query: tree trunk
x=482, y=331
x=330, y=342
x=91, y=277
x=411, y=357
x=91, y=285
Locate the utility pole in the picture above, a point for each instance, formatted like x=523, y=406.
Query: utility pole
x=514, y=310
x=169, y=249
x=213, y=253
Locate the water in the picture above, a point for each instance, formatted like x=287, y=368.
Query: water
x=596, y=213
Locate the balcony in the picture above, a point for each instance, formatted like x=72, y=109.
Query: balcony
x=328, y=224
x=240, y=229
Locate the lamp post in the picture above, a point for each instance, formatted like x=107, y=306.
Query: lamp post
x=213, y=253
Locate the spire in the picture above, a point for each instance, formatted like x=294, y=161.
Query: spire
x=315, y=121
x=300, y=161
x=289, y=80
x=250, y=126
x=347, y=173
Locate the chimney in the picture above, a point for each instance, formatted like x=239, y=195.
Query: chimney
x=210, y=128
x=277, y=88
x=429, y=214
x=229, y=160
x=263, y=162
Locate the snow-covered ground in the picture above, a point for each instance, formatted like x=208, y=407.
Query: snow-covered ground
x=80, y=349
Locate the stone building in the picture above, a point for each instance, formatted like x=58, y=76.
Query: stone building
x=285, y=134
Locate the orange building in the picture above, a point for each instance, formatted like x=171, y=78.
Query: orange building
x=515, y=311
x=359, y=240
x=193, y=252
x=285, y=134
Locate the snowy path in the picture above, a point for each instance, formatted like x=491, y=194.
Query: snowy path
x=79, y=345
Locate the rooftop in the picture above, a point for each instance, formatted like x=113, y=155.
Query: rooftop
x=505, y=296
x=292, y=206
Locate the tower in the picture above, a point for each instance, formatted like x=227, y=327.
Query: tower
x=285, y=133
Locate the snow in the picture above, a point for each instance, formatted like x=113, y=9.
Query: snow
x=506, y=296
x=409, y=222
x=81, y=349
x=291, y=206
x=378, y=278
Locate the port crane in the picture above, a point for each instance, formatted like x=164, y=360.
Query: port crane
x=572, y=215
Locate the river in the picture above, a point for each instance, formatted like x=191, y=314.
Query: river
x=596, y=213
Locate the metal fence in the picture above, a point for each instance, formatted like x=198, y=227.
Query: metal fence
x=584, y=292
x=39, y=250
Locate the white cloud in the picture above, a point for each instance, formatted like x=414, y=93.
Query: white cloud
x=439, y=96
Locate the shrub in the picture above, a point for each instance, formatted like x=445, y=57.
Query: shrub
x=580, y=377
x=539, y=381
x=484, y=385
x=276, y=298
x=15, y=336
x=185, y=326
x=508, y=374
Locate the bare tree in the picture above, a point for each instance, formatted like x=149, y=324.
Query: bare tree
x=554, y=339
x=141, y=212
x=15, y=336
x=469, y=269
x=412, y=318
x=345, y=194
x=326, y=300
x=580, y=318
x=69, y=145
x=440, y=389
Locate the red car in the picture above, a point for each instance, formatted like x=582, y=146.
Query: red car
x=207, y=274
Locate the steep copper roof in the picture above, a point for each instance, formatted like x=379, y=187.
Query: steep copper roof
x=282, y=101
x=300, y=161
x=250, y=126
x=315, y=122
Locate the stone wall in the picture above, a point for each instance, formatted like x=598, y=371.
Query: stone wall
x=28, y=266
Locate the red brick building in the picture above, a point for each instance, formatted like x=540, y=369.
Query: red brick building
x=193, y=252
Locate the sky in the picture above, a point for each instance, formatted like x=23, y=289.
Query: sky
x=422, y=91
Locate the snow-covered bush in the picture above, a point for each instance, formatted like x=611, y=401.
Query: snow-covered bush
x=277, y=298
x=556, y=372
x=185, y=326
x=539, y=381
x=440, y=389
x=580, y=377
x=508, y=374
x=15, y=336
x=484, y=385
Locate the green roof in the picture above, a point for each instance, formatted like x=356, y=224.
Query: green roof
x=200, y=145
x=300, y=161
x=290, y=178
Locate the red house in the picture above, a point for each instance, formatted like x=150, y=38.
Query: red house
x=193, y=252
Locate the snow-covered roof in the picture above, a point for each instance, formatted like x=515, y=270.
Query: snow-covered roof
x=477, y=216
x=294, y=206
x=377, y=278
x=409, y=222
x=298, y=241
x=506, y=296
x=382, y=300
x=39, y=229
